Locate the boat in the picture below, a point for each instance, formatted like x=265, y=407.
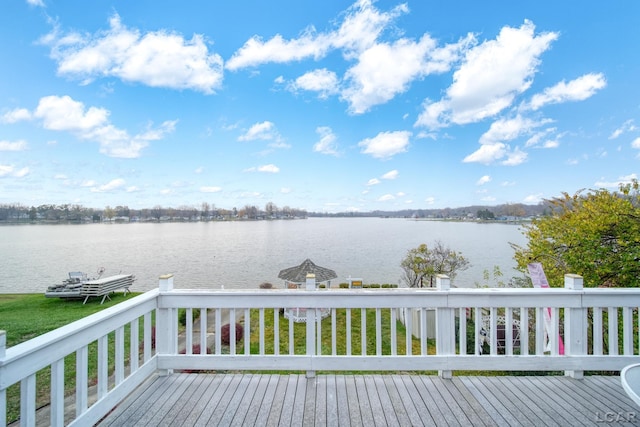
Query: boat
x=79, y=285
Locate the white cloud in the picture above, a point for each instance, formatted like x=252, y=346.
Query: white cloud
x=636, y=143
x=360, y=28
x=386, y=144
x=576, y=90
x=508, y=129
x=373, y=181
x=487, y=153
x=111, y=186
x=62, y=113
x=533, y=199
x=13, y=145
x=430, y=200
x=16, y=115
x=484, y=180
x=626, y=179
x=386, y=198
x=11, y=171
x=390, y=175
x=285, y=190
x=21, y=172
x=38, y=3
x=381, y=70
x=210, y=189
x=260, y=131
x=323, y=81
x=264, y=168
x=493, y=142
x=386, y=69
x=627, y=126
x=157, y=58
x=327, y=143
x=489, y=79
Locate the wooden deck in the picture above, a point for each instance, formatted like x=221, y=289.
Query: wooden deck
x=375, y=400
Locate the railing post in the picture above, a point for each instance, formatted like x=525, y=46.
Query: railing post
x=575, y=325
x=311, y=324
x=3, y=392
x=165, y=328
x=445, y=326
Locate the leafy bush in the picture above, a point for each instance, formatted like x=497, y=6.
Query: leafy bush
x=225, y=333
x=266, y=285
x=182, y=315
x=344, y=286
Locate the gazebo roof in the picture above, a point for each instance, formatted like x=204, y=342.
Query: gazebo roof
x=299, y=273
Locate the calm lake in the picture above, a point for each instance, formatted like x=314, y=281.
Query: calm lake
x=241, y=255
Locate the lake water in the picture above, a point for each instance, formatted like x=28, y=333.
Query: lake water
x=241, y=255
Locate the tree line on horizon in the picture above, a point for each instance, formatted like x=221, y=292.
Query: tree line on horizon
x=76, y=213
x=16, y=212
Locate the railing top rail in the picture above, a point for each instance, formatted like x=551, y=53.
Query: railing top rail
x=392, y=298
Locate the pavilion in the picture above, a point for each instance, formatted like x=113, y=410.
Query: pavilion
x=295, y=277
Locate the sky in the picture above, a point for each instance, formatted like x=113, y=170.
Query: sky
x=326, y=106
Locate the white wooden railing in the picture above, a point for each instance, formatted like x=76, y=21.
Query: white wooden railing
x=571, y=330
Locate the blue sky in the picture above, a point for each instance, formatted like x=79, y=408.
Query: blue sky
x=324, y=106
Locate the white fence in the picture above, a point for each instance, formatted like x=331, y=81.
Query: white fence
x=571, y=330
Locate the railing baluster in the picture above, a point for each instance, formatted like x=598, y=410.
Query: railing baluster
x=613, y=330
x=553, y=332
x=524, y=331
x=508, y=331
x=28, y=401
x=247, y=330
x=479, y=335
x=119, y=355
x=134, y=344
x=348, y=316
x=627, y=330
x=261, y=324
x=463, y=330
x=204, y=327
x=276, y=331
x=378, y=332
x=333, y=332
x=318, y=331
x=232, y=331
x=147, y=337
x=597, y=331
x=81, y=380
x=363, y=331
x=394, y=337
x=188, y=331
x=540, y=334
x=423, y=331
x=216, y=332
x=409, y=332
x=291, y=347
x=103, y=366
x=493, y=330
x=57, y=393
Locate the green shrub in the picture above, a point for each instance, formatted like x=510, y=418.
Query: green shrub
x=182, y=315
x=344, y=286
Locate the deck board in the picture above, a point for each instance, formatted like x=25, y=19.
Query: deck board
x=373, y=399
